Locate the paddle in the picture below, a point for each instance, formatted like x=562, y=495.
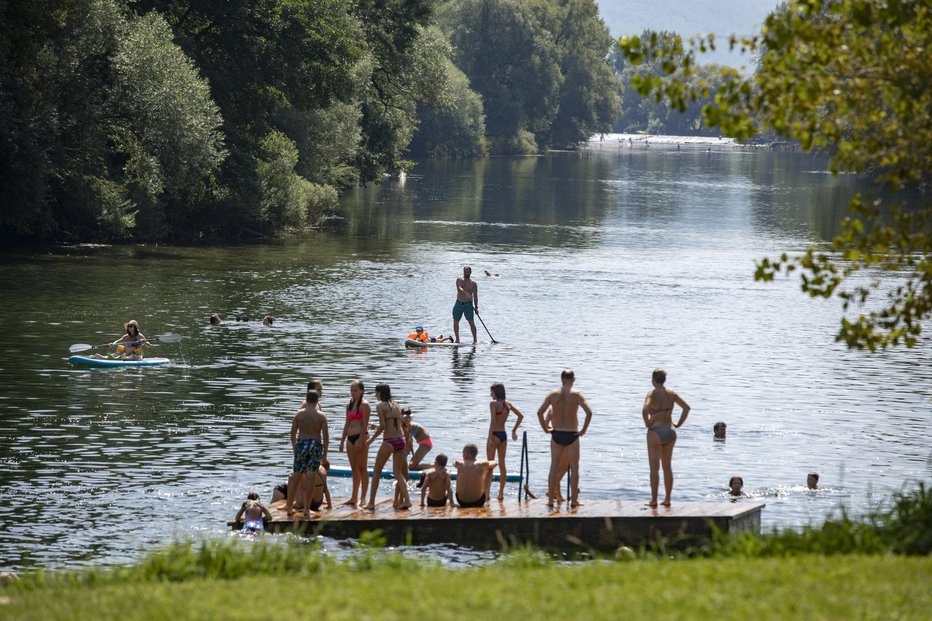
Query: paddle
x=486, y=329
x=162, y=338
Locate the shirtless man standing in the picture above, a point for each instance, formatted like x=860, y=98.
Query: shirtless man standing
x=309, y=441
x=564, y=434
x=467, y=302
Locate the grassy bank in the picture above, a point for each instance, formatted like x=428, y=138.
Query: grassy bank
x=879, y=567
x=803, y=587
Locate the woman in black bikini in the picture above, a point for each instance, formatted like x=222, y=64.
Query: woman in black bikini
x=355, y=434
x=497, y=442
x=661, y=436
x=392, y=446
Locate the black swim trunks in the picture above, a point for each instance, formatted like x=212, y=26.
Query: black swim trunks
x=564, y=438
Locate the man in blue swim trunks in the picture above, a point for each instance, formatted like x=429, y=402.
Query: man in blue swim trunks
x=467, y=303
x=309, y=440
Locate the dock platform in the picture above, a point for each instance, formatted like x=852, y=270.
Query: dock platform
x=602, y=525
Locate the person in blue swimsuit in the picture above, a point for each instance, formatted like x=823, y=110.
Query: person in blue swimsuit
x=467, y=303
x=661, y=433
x=252, y=513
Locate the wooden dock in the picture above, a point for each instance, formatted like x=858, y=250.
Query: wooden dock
x=596, y=525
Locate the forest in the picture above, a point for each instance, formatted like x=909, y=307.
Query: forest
x=190, y=120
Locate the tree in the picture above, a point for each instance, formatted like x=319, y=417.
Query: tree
x=851, y=77
x=511, y=59
x=105, y=122
x=589, y=100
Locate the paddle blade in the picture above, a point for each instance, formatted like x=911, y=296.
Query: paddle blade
x=80, y=347
x=168, y=338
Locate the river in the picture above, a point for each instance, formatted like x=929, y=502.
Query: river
x=612, y=261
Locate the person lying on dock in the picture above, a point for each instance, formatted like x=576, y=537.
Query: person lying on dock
x=473, y=478
x=251, y=514
x=437, y=485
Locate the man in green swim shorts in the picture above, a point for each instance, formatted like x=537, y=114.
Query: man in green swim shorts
x=467, y=303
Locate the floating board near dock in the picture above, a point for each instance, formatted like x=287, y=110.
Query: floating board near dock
x=596, y=525
x=416, y=343
x=414, y=475
x=107, y=362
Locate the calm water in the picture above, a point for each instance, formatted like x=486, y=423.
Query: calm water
x=611, y=261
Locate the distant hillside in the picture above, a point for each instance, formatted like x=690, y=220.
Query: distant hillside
x=690, y=17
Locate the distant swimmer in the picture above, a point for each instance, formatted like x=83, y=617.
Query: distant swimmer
x=467, y=303
x=267, y=320
x=564, y=434
x=719, y=429
x=735, y=485
x=812, y=480
x=661, y=437
x=215, y=320
x=491, y=275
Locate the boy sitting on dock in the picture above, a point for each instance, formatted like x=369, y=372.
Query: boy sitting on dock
x=251, y=514
x=473, y=478
x=437, y=486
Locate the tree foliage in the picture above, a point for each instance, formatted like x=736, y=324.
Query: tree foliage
x=104, y=123
x=851, y=77
x=540, y=66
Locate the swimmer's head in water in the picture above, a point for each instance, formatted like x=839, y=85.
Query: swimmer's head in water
x=736, y=483
x=812, y=480
x=719, y=429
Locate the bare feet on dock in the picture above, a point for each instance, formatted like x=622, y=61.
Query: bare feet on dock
x=575, y=504
x=665, y=503
x=370, y=507
x=351, y=502
x=403, y=507
x=652, y=503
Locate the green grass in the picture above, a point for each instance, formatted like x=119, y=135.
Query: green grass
x=803, y=587
x=879, y=567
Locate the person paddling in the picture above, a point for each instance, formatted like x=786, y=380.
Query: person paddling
x=129, y=346
x=467, y=303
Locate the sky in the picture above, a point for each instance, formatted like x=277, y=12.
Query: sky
x=689, y=17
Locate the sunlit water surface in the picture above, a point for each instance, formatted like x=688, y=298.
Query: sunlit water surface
x=612, y=261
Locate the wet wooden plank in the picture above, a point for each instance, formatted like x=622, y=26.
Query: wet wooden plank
x=596, y=524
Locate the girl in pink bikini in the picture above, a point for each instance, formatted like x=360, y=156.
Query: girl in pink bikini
x=393, y=445
x=354, y=440
x=417, y=434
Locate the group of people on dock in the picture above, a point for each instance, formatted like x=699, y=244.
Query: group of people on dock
x=558, y=415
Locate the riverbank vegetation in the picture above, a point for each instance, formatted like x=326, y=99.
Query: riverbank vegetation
x=875, y=567
x=157, y=120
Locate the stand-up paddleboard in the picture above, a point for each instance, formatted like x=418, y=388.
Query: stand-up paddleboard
x=417, y=343
x=412, y=475
x=107, y=362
